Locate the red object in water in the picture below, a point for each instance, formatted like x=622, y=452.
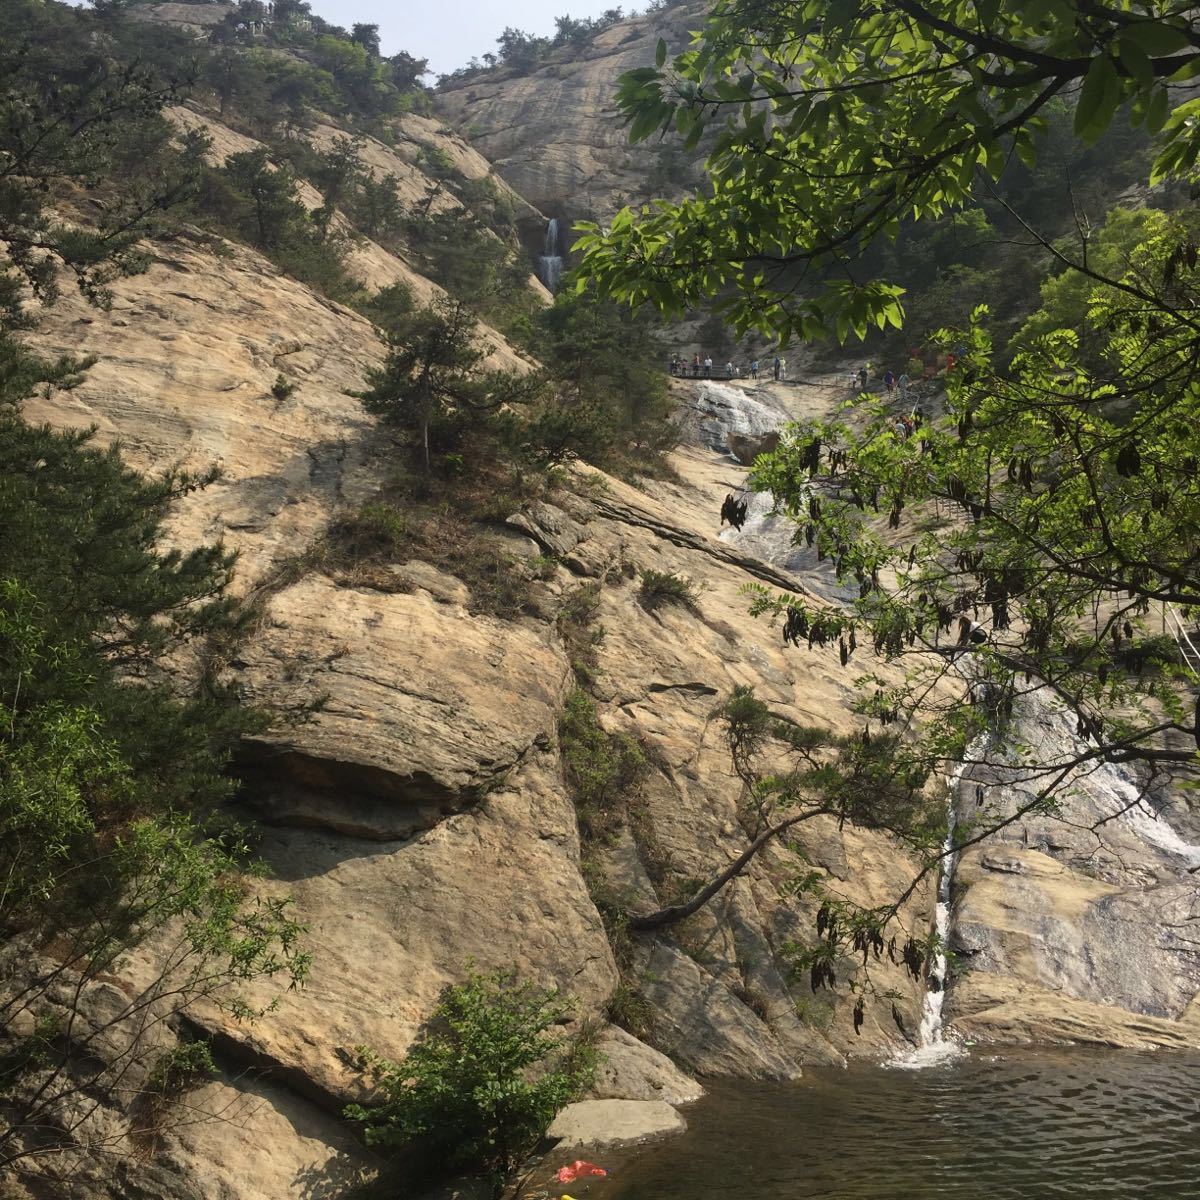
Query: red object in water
x=577, y=1170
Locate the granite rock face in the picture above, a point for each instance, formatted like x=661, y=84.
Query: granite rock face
x=420, y=817
x=1075, y=926
x=554, y=134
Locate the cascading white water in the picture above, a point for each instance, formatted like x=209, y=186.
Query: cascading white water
x=550, y=264
x=933, y=1047
x=932, y=1032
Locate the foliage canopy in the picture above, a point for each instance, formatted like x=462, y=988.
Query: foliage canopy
x=836, y=122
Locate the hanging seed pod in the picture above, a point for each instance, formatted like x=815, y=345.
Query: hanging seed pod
x=1129, y=461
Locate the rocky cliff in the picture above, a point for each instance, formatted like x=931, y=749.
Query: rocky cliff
x=421, y=818
x=554, y=133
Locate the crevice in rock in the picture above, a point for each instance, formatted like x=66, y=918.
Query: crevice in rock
x=700, y=689
x=291, y=788
x=231, y=1051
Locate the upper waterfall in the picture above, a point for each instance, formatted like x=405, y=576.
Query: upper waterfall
x=550, y=262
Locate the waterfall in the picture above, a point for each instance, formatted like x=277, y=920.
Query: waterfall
x=550, y=264
x=933, y=1047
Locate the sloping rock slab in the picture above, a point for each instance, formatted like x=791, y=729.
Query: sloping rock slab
x=391, y=924
x=425, y=707
x=992, y=1008
x=609, y=1122
x=631, y=1070
x=702, y=1024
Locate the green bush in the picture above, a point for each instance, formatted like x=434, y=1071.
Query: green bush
x=474, y=1094
x=664, y=587
x=600, y=766
x=375, y=529
x=281, y=389
x=629, y=1008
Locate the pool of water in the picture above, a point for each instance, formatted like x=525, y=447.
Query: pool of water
x=1070, y=1125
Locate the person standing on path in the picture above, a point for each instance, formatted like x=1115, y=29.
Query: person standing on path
x=889, y=379
x=777, y=368
x=708, y=367
x=862, y=379
x=903, y=383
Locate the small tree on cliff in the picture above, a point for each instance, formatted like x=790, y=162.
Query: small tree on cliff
x=476, y=1093
x=270, y=212
x=434, y=383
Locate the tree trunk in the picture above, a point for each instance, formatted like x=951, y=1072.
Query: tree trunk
x=677, y=912
x=424, y=415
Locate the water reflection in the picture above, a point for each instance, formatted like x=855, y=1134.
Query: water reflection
x=1071, y=1125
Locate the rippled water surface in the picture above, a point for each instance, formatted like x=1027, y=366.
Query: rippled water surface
x=1078, y=1125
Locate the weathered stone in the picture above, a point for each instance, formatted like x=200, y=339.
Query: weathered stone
x=391, y=924
x=550, y=527
x=1085, y=914
x=702, y=1025
x=747, y=447
x=425, y=707
x=610, y=1122
x=630, y=1070
x=551, y=133
x=1000, y=1009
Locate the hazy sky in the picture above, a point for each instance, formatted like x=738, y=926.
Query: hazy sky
x=451, y=32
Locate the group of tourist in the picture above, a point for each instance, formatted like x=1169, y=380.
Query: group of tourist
x=909, y=419
x=891, y=382
x=702, y=368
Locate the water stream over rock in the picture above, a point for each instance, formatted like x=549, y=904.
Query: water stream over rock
x=550, y=263
x=1094, y=904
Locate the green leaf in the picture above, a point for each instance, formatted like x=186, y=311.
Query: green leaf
x=1189, y=70
x=660, y=52
x=1136, y=61
x=1093, y=111
x=1156, y=38
x=1156, y=112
